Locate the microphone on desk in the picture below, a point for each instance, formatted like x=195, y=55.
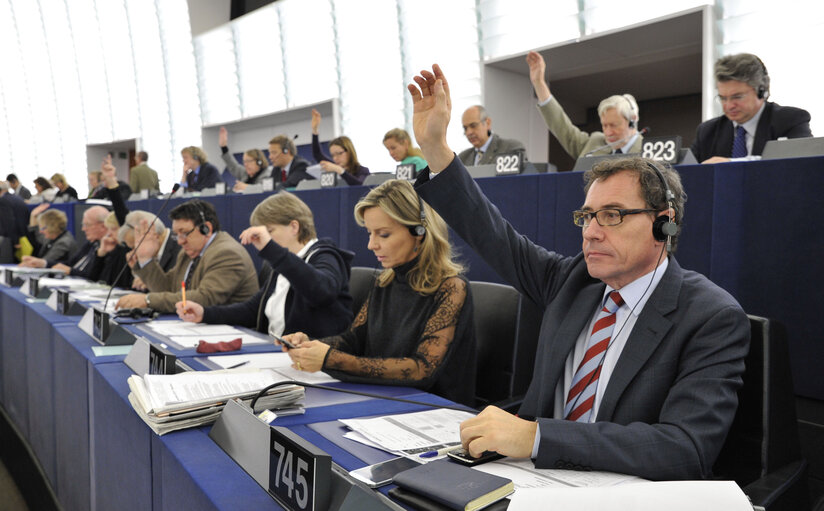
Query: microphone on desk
x=175, y=188
x=642, y=131
x=266, y=389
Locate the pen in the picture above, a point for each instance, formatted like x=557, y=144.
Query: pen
x=238, y=365
x=439, y=452
x=183, y=290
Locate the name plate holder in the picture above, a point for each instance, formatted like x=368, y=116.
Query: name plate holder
x=405, y=171
x=509, y=164
x=98, y=324
x=65, y=305
x=147, y=358
x=31, y=288
x=330, y=180
x=257, y=447
x=220, y=188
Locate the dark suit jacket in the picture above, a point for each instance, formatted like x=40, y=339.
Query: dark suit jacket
x=715, y=137
x=297, y=172
x=206, y=178
x=497, y=146
x=672, y=395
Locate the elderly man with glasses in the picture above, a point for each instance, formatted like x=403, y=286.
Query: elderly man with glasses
x=749, y=120
x=638, y=361
x=216, y=269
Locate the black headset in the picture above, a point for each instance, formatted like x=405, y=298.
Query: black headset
x=202, y=227
x=761, y=92
x=633, y=116
x=419, y=230
x=664, y=227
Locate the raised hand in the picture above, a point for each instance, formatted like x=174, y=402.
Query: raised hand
x=257, y=235
x=315, y=121
x=222, y=137
x=109, y=174
x=36, y=212
x=432, y=108
x=107, y=244
x=537, y=72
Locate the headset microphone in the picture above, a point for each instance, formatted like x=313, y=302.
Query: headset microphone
x=664, y=227
x=642, y=131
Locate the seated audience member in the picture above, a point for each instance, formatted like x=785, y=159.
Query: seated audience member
x=14, y=222
x=415, y=327
x=110, y=258
x=64, y=191
x=198, y=173
x=659, y=402
x=254, y=169
x=48, y=235
x=80, y=264
x=45, y=191
x=141, y=176
x=344, y=161
x=399, y=144
x=168, y=248
x=749, y=120
x=486, y=146
x=216, y=268
x=289, y=168
x=308, y=289
x=17, y=187
x=97, y=189
x=618, y=113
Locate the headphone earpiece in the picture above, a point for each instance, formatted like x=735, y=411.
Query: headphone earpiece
x=664, y=227
x=419, y=230
x=633, y=116
x=761, y=91
x=203, y=228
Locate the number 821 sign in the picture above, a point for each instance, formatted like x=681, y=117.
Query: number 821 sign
x=299, y=472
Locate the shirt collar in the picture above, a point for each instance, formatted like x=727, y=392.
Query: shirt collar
x=626, y=148
x=752, y=125
x=302, y=252
x=484, y=147
x=636, y=294
x=208, y=242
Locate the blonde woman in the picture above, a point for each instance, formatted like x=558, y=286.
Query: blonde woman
x=399, y=144
x=415, y=328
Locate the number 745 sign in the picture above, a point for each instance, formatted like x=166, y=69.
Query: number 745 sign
x=299, y=472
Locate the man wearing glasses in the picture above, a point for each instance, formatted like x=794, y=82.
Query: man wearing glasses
x=486, y=146
x=638, y=361
x=749, y=120
x=216, y=269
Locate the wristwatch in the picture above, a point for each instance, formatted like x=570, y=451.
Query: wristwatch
x=148, y=303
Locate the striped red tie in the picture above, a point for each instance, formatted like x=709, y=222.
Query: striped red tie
x=585, y=382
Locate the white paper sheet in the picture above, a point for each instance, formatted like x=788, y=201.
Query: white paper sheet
x=278, y=361
x=411, y=430
x=649, y=496
x=524, y=475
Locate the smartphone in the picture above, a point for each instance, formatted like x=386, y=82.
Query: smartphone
x=285, y=342
x=382, y=473
x=463, y=456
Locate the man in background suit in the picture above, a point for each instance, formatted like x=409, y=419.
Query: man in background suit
x=749, y=120
x=216, y=268
x=141, y=176
x=198, y=173
x=289, y=168
x=486, y=146
x=659, y=397
x=618, y=113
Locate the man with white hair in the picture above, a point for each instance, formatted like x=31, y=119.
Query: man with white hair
x=166, y=254
x=618, y=113
x=80, y=264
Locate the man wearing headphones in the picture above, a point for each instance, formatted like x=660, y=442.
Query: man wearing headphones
x=198, y=173
x=749, y=120
x=638, y=361
x=486, y=146
x=216, y=269
x=618, y=113
x=255, y=168
x=288, y=165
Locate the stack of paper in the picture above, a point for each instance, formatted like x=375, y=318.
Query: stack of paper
x=184, y=335
x=178, y=401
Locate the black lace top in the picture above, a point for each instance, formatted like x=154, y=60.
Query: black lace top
x=401, y=337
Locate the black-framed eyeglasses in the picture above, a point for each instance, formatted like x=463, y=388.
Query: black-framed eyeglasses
x=605, y=217
x=182, y=235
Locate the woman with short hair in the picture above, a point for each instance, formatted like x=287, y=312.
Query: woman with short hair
x=308, y=289
x=48, y=235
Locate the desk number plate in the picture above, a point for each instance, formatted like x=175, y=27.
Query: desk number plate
x=662, y=149
x=299, y=472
